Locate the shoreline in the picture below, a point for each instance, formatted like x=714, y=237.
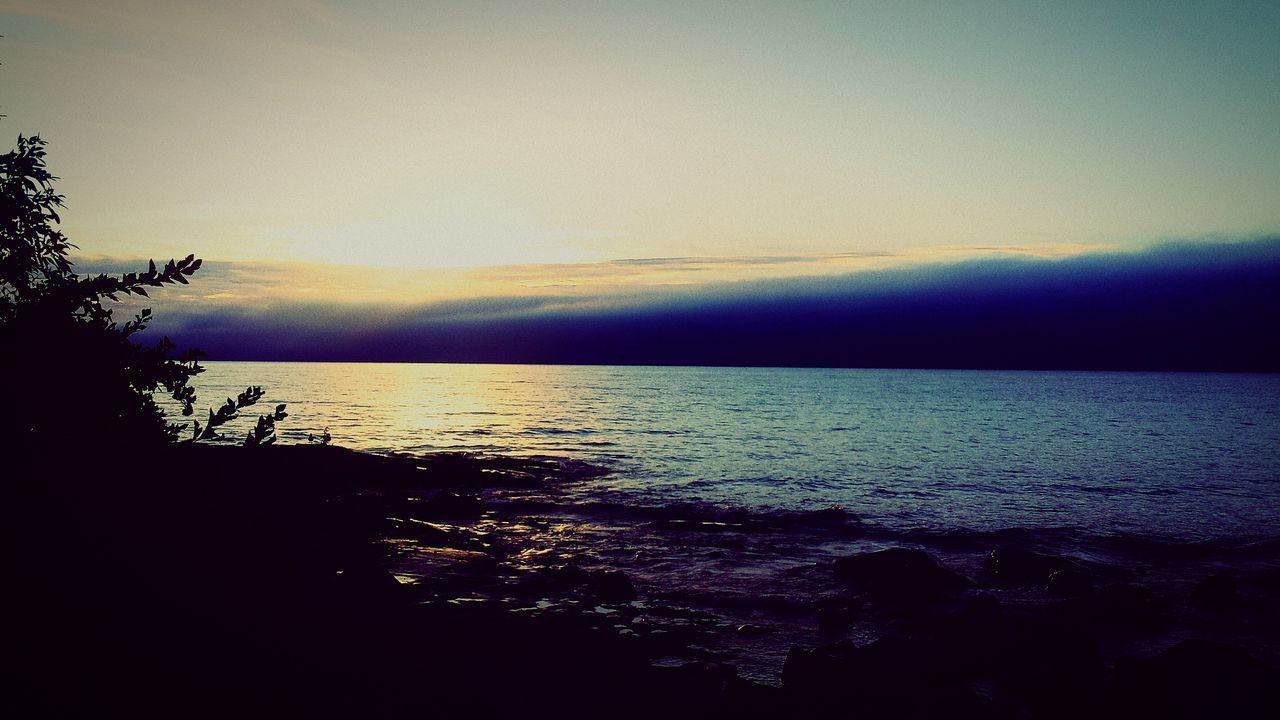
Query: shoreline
x=448, y=576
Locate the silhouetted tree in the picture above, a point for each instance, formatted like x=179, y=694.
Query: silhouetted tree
x=71, y=373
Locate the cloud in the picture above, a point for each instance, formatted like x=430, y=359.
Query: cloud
x=605, y=282
x=1188, y=306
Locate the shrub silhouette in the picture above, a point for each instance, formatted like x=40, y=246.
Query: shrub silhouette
x=70, y=371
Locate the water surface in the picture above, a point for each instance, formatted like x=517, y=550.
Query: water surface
x=1191, y=456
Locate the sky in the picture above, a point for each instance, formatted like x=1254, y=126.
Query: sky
x=404, y=153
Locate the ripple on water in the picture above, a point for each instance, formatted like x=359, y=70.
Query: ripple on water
x=963, y=449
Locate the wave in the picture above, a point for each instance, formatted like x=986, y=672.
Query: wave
x=837, y=523
x=694, y=516
x=556, y=431
x=558, y=491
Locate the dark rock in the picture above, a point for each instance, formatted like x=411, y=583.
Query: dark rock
x=613, y=586
x=892, y=677
x=1055, y=665
x=448, y=504
x=954, y=701
x=1068, y=583
x=817, y=669
x=610, y=586
x=902, y=663
x=1133, y=606
x=696, y=689
x=1197, y=678
x=899, y=574
x=708, y=672
x=1268, y=578
x=365, y=584
x=1216, y=592
x=882, y=678
x=1014, y=565
x=983, y=608
x=836, y=617
x=969, y=634
x=560, y=580
x=1126, y=597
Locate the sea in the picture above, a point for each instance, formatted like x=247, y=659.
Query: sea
x=725, y=494
x=1186, y=456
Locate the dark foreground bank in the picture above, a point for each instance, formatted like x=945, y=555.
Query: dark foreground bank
x=308, y=580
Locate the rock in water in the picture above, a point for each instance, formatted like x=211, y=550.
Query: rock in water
x=836, y=616
x=1132, y=606
x=1014, y=565
x=608, y=586
x=808, y=671
x=1068, y=583
x=899, y=574
x=447, y=504
x=1216, y=592
x=613, y=586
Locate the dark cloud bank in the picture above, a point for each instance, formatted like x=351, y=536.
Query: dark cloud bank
x=1193, y=306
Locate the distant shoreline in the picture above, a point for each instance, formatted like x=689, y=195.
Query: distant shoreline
x=1135, y=371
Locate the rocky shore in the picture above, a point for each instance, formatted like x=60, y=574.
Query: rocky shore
x=316, y=581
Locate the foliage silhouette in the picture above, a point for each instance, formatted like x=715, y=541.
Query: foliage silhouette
x=70, y=370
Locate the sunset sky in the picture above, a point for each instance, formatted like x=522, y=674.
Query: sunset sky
x=409, y=152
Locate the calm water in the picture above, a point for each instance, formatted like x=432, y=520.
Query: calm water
x=1183, y=455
